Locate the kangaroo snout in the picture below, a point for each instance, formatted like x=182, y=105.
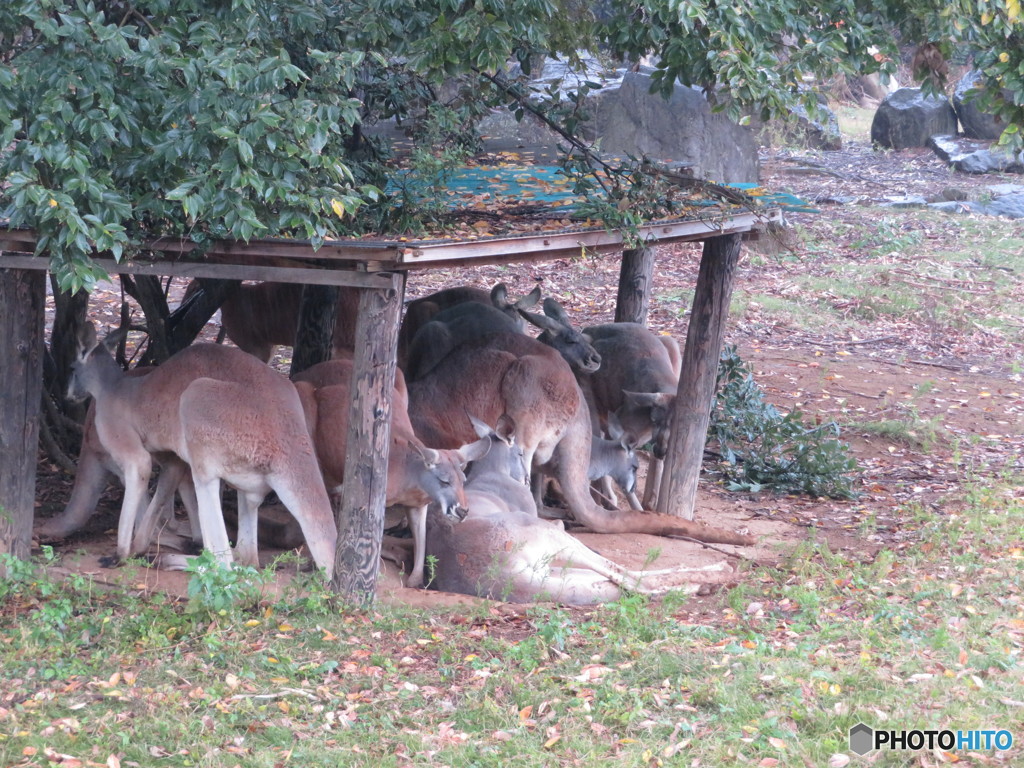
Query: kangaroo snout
x=455, y=512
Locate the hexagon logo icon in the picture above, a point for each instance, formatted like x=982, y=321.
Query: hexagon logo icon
x=861, y=738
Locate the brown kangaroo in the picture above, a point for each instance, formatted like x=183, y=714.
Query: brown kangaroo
x=417, y=475
x=260, y=316
x=515, y=375
x=224, y=413
x=637, y=383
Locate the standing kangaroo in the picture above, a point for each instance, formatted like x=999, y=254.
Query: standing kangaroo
x=417, y=475
x=224, y=413
x=259, y=316
x=637, y=384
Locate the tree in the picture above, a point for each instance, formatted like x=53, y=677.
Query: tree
x=204, y=118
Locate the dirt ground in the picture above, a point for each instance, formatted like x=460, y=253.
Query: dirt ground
x=966, y=383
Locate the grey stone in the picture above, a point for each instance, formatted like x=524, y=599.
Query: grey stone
x=802, y=130
x=627, y=119
x=633, y=121
x=904, y=201
x=958, y=206
x=908, y=118
x=975, y=156
x=1010, y=206
x=976, y=124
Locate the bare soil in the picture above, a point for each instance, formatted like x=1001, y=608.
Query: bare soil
x=965, y=379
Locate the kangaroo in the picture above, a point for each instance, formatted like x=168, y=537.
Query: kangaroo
x=638, y=384
x=469, y=321
x=528, y=381
x=515, y=375
x=502, y=550
x=95, y=466
x=417, y=475
x=421, y=311
x=259, y=316
x=252, y=435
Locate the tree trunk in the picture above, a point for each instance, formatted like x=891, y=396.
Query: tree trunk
x=150, y=293
x=189, y=319
x=360, y=516
x=22, y=324
x=318, y=312
x=696, y=391
x=635, y=276
x=68, y=316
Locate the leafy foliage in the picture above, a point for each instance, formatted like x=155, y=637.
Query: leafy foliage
x=763, y=448
x=203, y=119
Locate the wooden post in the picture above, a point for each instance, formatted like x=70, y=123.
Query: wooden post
x=360, y=517
x=635, y=277
x=22, y=323
x=696, y=391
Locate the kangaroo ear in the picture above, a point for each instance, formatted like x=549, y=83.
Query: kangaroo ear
x=554, y=310
x=86, y=337
x=474, y=451
x=529, y=299
x=506, y=428
x=543, y=322
x=429, y=455
x=481, y=429
x=499, y=296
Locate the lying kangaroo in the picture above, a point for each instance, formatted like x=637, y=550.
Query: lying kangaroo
x=421, y=311
x=417, y=475
x=502, y=550
x=227, y=415
x=637, y=384
x=259, y=316
x=515, y=375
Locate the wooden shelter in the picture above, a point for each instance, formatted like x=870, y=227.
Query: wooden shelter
x=380, y=269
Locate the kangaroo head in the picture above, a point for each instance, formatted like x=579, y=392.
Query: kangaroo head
x=503, y=455
x=438, y=476
x=88, y=363
x=627, y=466
x=558, y=332
x=648, y=413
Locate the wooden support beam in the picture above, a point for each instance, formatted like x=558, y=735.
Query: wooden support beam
x=696, y=391
x=636, y=273
x=360, y=516
x=22, y=322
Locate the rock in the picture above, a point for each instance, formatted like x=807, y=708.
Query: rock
x=975, y=123
x=908, y=118
x=682, y=129
x=802, y=131
x=1009, y=205
x=628, y=119
x=974, y=156
x=903, y=201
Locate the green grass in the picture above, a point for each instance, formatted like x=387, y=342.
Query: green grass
x=929, y=636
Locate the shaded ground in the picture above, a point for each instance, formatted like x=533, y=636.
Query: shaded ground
x=947, y=385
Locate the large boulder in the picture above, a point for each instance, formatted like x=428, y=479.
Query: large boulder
x=625, y=118
x=976, y=124
x=908, y=118
x=976, y=156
